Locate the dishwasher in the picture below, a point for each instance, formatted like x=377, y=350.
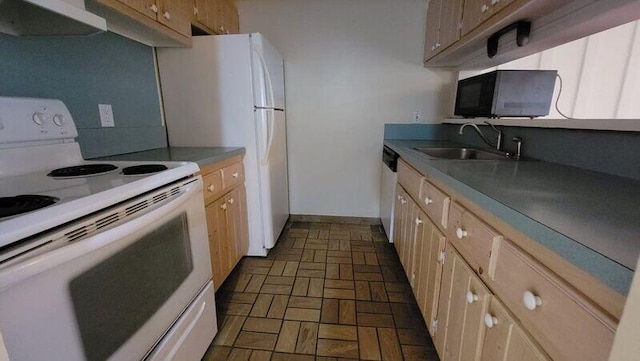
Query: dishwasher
x=388, y=189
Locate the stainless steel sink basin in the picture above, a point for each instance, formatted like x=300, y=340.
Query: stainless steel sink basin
x=462, y=153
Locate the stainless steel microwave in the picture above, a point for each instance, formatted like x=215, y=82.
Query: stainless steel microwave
x=506, y=93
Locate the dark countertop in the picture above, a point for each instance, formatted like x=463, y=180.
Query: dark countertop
x=590, y=219
x=200, y=155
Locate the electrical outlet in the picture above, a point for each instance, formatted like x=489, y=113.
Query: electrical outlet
x=417, y=116
x=106, y=115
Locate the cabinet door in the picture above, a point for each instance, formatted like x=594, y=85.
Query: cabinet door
x=399, y=219
x=214, y=15
x=504, y=340
x=428, y=269
x=450, y=18
x=433, y=28
x=243, y=223
x=217, y=224
x=233, y=230
x=230, y=21
x=200, y=13
x=146, y=7
x=409, y=241
x=176, y=14
x=463, y=303
x=499, y=4
x=475, y=13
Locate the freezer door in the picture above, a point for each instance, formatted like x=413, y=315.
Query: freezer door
x=273, y=174
x=267, y=73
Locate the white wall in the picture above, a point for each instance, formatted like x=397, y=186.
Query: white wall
x=351, y=66
x=600, y=73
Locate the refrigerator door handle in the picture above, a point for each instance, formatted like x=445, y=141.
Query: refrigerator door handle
x=269, y=91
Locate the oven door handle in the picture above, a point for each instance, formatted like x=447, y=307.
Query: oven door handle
x=124, y=232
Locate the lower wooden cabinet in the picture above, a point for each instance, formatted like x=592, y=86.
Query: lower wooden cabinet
x=420, y=246
x=463, y=303
x=227, y=223
x=504, y=340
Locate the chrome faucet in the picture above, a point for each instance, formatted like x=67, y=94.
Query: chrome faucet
x=498, y=144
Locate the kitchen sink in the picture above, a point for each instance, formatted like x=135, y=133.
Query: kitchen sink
x=463, y=153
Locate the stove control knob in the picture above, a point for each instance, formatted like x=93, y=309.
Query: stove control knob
x=38, y=118
x=58, y=120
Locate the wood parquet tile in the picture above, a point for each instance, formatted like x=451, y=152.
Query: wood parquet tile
x=327, y=291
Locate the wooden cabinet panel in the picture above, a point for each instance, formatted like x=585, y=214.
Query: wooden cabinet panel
x=212, y=186
x=473, y=238
x=217, y=224
x=200, y=12
x=435, y=203
x=467, y=304
x=409, y=178
x=400, y=219
x=450, y=18
x=504, y=340
x=560, y=319
x=232, y=176
x=143, y=6
x=475, y=12
x=176, y=14
x=428, y=269
x=433, y=29
x=230, y=18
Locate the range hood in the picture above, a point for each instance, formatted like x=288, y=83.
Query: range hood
x=48, y=17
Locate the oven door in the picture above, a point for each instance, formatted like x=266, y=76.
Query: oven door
x=109, y=286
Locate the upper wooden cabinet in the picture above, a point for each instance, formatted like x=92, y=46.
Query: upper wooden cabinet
x=463, y=28
x=216, y=16
x=443, y=25
x=160, y=23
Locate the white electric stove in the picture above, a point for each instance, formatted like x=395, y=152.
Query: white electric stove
x=119, y=250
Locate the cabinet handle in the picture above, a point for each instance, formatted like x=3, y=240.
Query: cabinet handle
x=221, y=29
x=403, y=201
x=399, y=197
x=223, y=206
x=428, y=200
x=211, y=188
x=489, y=320
x=461, y=233
x=472, y=297
x=441, y=257
x=531, y=301
x=166, y=15
x=235, y=175
x=195, y=10
x=418, y=221
x=438, y=45
x=484, y=8
x=154, y=8
x=230, y=200
x=494, y=2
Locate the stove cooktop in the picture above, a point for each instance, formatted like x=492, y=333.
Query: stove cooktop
x=82, y=170
x=11, y=206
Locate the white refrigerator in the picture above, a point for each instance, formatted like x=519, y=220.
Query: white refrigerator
x=228, y=91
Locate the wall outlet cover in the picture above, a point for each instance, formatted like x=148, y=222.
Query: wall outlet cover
x=417, y=116
x=106, y=115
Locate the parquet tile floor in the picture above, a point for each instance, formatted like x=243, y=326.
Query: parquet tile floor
x=327, y=291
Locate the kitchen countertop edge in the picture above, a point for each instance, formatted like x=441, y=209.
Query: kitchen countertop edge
x=202, y=156
x=611, y=273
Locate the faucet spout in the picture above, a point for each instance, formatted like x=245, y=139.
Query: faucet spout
x=497, y=145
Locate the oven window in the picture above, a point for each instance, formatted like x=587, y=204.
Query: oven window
x=114, y=299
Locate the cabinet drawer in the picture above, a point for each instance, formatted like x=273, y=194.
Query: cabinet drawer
x=409, y=178
x=435, y=203
x=212, y=186
x=473, y=238
x=565, y=324
x=232, y=176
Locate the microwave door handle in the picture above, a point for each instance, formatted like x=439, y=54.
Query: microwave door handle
x=58, y=256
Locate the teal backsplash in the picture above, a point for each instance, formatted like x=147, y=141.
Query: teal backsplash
x=84, y=71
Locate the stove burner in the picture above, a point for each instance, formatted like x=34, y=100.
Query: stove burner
x=82, y=170
x=10, y=206
x=144, y=169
